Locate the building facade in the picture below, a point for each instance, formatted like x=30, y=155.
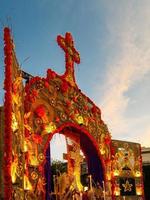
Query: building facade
x=146, y=171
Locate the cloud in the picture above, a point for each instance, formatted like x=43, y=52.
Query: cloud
x=144, y=137
x=58, y=146
x=129, y=33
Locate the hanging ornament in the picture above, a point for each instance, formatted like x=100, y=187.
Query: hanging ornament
x=41, y=157
x=34, y=175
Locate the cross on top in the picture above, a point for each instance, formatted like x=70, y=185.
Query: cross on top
x=71, y=55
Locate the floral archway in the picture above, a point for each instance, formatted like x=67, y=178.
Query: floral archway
x=55, y=102
x=35, y=112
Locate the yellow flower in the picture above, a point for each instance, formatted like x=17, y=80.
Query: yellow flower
x=51, y=127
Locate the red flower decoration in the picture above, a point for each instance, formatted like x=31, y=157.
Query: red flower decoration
x=57, y=119
x=37, y=139
x=107, y=161
x=69, y=38
x=50, y=74
x=35, y=93
x=75, y=99
x=64, y=86
x=76, y=111
x=86, y=107
x=40, y=168
x=46, y=84
x=8, y=114
x=40, y=111
x=94, y=109
x=107, y=139
x=112, y=151
x=68, y=103
x=7, y=49
x=8, y=60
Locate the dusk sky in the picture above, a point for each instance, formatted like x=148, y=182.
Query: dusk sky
x=113, y=38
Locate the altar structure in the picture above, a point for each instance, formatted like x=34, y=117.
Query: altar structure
x=33, y=112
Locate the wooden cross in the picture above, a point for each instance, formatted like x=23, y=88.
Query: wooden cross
x=71, y=55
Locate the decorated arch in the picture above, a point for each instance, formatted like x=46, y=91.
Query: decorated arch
x=36, y=110
x=55, y=104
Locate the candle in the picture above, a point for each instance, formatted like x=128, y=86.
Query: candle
x=90, y=182
x=104, y=190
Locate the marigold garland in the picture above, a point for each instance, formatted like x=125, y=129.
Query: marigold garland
x=8, y=48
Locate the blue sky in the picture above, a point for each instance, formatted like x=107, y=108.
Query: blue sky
x=113, y=38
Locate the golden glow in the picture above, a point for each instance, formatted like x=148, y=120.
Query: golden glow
x=33, y=160
x=77, y=181
x=34, y=175
x=27, y=184
x=102, y=150
x=116, y=172
x=117, y=191
x=50, y=127
x=41, y=157
x=14, y=170
x=25, y=146
x=85, y=188
x=79, y=119
x=108, y=176
x=137, y=174
x=14, y=124
x=138, y=190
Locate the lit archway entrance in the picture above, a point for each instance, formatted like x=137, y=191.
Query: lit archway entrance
x=90, y=149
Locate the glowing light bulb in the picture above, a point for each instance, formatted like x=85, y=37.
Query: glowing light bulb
x=117, y=191
x=116, y=172
x=102, y=150
x=137, y=174
x=138, y=190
